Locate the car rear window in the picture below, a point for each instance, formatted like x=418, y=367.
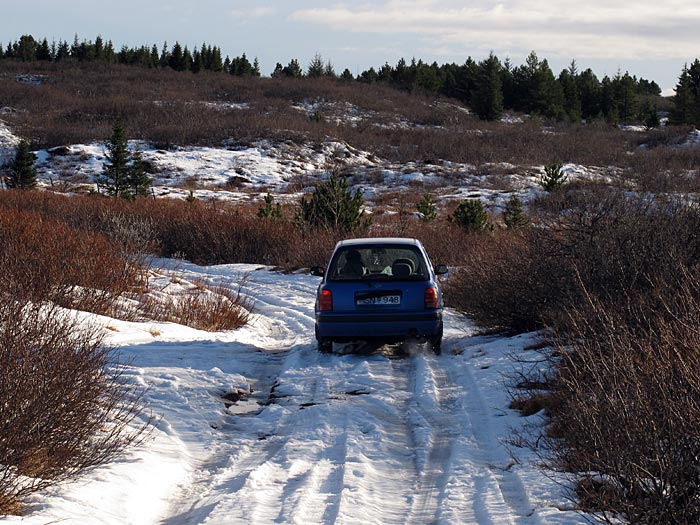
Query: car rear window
x=378, y=262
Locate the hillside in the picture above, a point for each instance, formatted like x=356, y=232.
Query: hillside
x=245, y=135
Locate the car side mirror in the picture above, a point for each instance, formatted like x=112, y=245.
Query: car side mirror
x=440, y=269
x=318, y=271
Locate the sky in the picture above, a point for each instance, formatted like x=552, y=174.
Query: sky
x=650, y=39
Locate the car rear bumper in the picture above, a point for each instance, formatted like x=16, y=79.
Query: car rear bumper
x=361, y=326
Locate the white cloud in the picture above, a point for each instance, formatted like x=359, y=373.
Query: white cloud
x=598, y=29
x=248, y=14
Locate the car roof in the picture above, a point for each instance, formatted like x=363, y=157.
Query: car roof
x=379, y=241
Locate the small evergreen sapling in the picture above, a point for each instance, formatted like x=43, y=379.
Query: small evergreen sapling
x=21, y=173
x=124, y=173
x=138, y=180
x=554, y=177
x=426, y=207
x=513, y=215
x=471, y=215
x=333, y=206
x=270, y=209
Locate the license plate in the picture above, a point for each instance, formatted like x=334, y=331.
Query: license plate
x=381, y=299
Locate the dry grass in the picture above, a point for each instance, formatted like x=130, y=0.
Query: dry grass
x=210, y=308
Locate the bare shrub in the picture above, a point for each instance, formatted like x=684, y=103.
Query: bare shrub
x=210, y=308
x=624, y=383
x=603, y=240
x=44, y=259
x=509, y=279
x=666, y=169
x=66, y=406
x=203, y=232
x=626, y=405
x=617, y=246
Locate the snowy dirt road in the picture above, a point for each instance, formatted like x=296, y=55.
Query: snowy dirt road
x=387, y=436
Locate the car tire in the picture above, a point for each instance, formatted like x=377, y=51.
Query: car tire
x=325, y=346
x=436, y=344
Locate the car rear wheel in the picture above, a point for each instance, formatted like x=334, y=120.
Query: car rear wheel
x=436, y=344
x=325, y=346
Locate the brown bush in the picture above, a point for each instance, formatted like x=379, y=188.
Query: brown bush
x=66, y=406
x=202, y=232
x=626, y=411
x=600, y=239
x=510, y=279
x=616, y=277
x=47, y=260
x=203, y=307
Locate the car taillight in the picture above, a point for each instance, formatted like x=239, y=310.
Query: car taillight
x=431, y=298
x=325, y=301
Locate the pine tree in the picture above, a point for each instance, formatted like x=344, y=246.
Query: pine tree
x=625, y=96
x=687, y=98
x=177, y=59
x=426, y=207
x=124, y=174
x=43, y=52
x=114, y=178
x=471, y=215
x=197, y=62
x=329, y=70
x=154, y=57
x=26, y=48
x=138, y=181
x=293, y=69
x=572, y=99
x=217, y=63
x=649, y=115
x=278, y=71
x=186, y=59
x=333, y=206
x=588, y=87
x=553, y=177
x=347, y=75
x=487, y=99
x=513, y=215
x=316, y=67
x=164, y=59
x=21, y=173
x=270, y=209
x=536, y=89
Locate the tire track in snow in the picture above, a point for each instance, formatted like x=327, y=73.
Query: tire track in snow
x=212, y=476
x=380, y=468
x=463, y=471
x=295, y=474
x=497, y=494
x=432, y=412
x=415, y=447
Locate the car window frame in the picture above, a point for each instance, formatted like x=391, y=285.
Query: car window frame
x=421, y=259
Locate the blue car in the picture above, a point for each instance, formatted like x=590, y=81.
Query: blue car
x=381, y=290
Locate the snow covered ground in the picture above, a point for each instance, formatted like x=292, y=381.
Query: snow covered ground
x=315, y=438
x=245, y=173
